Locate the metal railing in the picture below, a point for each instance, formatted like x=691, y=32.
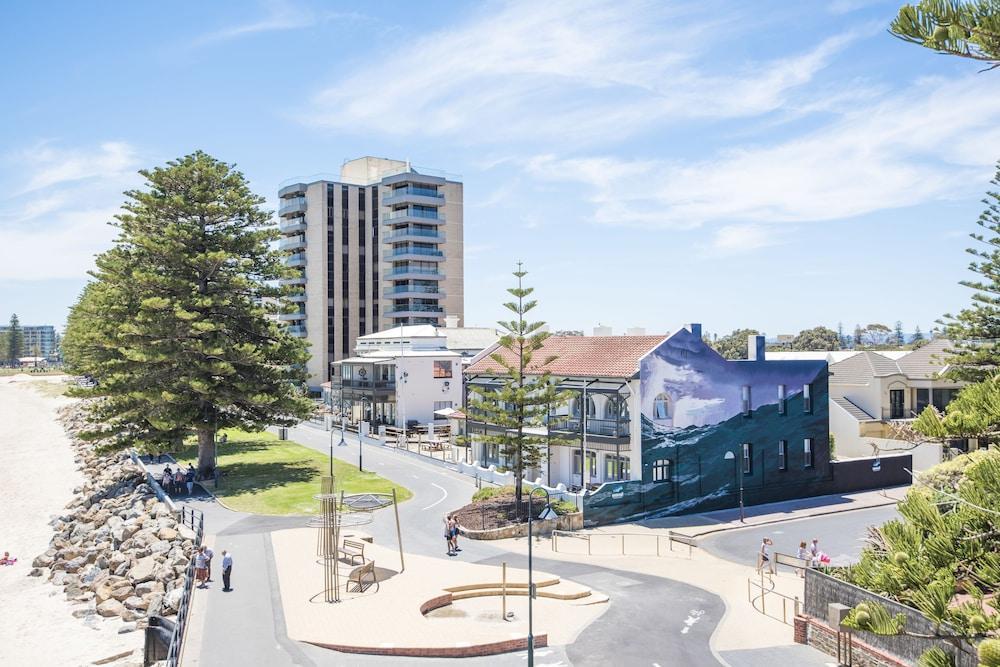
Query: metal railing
x=766, y=587
x=618, y=544
x=411, y=212
x=195, y=520
x=414, y=231
x=414, y=190
x=608, y=427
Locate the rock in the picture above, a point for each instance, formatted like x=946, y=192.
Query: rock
x=126, y=628
x=172, y=600
x=135, y=602
x=154, y=603
x=103, y=591
x=38, y=571
x=81, y=530
x=143, y=570
x=84, y=612
x=44, y=560
x=167, y=534
x=75, y=564
x=122, y=592
x=186, y=532
x=159, y=547
x=147, y=587
x=110, y=608
x=121, y=569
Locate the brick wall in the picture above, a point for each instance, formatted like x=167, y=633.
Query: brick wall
x=473, y=651
x=817, y=634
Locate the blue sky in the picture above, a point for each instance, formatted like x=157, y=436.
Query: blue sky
x=773, y=165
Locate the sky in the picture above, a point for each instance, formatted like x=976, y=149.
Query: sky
x=770, y=165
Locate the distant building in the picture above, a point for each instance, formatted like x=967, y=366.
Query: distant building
x=38, y=340
x=406, y=374
x=569, y=332
x=378, y=247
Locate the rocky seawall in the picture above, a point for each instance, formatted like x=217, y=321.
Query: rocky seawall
x=117, y=552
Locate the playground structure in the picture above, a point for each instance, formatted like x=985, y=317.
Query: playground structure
x=338, y=513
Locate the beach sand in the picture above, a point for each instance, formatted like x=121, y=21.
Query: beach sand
x=38, y=473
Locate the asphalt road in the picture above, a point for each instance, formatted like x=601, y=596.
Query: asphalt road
x=841, y=536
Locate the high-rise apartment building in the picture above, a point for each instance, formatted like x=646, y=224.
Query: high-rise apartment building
x=379, y=248
x=36, y=340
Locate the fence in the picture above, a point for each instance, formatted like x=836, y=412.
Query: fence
x=153, y=483
x=195, y=520
x=766, y=587
x=621, y=544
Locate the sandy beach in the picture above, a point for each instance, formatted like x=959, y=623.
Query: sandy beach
x=39, y=475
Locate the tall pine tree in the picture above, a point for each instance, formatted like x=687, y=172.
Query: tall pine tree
x=526, y=391
x=975, y=331
x=175, y=329
x=14, y=340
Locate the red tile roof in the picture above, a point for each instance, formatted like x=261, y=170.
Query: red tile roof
x=579, y=356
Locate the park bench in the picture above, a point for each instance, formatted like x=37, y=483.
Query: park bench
x=352, y=550
x=358, y=574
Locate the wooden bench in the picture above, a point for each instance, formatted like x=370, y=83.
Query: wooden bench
x=353, y=549
x=358, y=574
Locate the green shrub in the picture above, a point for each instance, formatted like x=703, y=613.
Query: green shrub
x=989, y=653
x=561, y=507
x=488, y=492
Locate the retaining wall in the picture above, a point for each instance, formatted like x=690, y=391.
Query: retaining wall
x=572, y=521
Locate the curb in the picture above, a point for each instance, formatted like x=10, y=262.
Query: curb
x=726, y=527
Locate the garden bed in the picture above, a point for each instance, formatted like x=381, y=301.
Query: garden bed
x=494, y=508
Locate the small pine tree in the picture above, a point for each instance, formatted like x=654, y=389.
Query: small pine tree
x=975, y=331
x=898, y=337
x=527, y=391
x=857, y=336
x=918, y=335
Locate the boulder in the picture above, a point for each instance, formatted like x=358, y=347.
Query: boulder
x=143, y=570
x=166, y=533
x=45, y=560
x=148, y=587
x=135, y=602
x=172, y=600
x=110, y=608
x=122, y=592
x=75, y=564
x=154, y=603
x=103, y=591
x=159, y=547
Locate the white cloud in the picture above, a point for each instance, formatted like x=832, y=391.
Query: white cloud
x=56, y=219
x=737, y=239
x=935, y=142
x=280, y=15
x=562, y=70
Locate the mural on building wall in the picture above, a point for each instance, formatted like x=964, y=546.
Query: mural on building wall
x=695, y=407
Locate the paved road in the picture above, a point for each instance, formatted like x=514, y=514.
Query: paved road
x=672, y=620
x=840, y=535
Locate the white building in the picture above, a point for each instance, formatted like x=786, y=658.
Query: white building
x=872, y=392
x=406, y=374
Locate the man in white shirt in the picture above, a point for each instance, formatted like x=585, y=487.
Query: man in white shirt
x=227, y=569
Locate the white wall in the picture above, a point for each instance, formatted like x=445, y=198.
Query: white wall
x=415, y=398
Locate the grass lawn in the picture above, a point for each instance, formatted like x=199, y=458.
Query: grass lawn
x=264, y=475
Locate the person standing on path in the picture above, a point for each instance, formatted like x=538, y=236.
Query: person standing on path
x=208, y=562
x=189, y=479
x=179, y=481
x=200, y=569
x=227, y=570
x=454, y=533
x=168, y=480
x=447, y=535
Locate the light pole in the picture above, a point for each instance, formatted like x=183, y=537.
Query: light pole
x=343, y=421
x=531, y=585
x=732, y=457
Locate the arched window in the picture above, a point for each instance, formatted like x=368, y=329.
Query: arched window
x=591, y=408
x=615, y=407
x=661, y=407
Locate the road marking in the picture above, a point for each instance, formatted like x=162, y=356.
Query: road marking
x=439, y=500
x=693, y=617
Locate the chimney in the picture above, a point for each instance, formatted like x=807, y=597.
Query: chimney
x=451, y=321
x=694, y=328
x=755, y=348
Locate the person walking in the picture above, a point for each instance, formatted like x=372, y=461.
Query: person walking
x=200, y=568
x=189, y=479
x=454, y=533
x=227, y=570
x=208, y=562
x=178, y=481
x=803, y=555
x=764, y=556
x=168, y=480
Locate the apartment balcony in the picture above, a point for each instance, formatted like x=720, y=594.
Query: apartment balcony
x=414, y=310
x=296, y=225
x=297, y=330
x=292, y=207
x=413, y=194
x=292, y=317
x=611, y=428
x=338, y=383
x=292, y=243
x=413, y=178
x=292, y=282
x=415, y=254
x=413, y=215
x=411, y=273
x=296, y=298
x=416, y=235
x=413, y=291
x=296, y=260
x=292, y=190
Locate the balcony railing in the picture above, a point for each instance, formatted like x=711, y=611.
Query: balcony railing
x=411, y=231
x=298, y=330
x=399, y=292
x=411, y=250
x=608, y=427
x=415, y=308
x=411, y=212
x=292, y=243
x=363, y=384
x=415, y=190
x=402, y=271
x=298, y=259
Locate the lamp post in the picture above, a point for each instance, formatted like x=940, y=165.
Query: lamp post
x=343, y=421
x=730, y=456
x=531, y=585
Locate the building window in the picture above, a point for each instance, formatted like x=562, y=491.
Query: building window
x=661, y=407
x=441, y=405
x=745, y=399
x=591, y=464
x=442, y=369
x=807, y=400
x=782, y=455
x=616, y=467
x=781, y=399
x=661, y=470
x=747, y=459
x=807, y=451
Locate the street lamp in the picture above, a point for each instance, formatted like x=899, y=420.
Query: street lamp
x=531, y=585
x=732, y=457
x=343, y=421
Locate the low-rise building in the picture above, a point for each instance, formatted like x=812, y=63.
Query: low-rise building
x=872, y=393
x=665, y=425
x=406, y=374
